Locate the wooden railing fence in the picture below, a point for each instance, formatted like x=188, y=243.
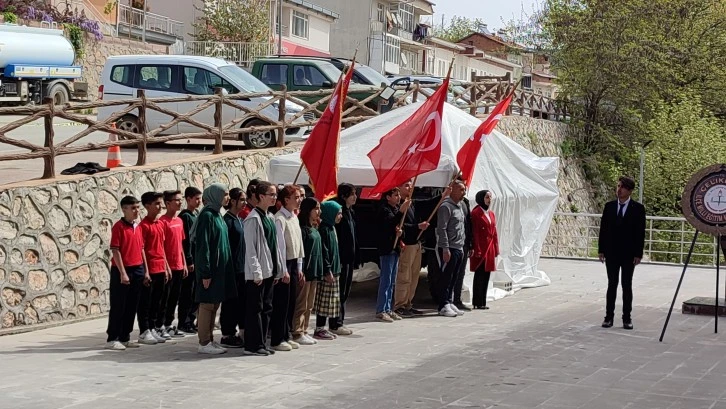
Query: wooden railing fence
x=477, y=98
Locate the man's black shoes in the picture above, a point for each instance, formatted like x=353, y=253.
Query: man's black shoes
x=628, y=324
x=607, y=323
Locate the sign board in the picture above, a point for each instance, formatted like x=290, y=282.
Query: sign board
x=704, y=200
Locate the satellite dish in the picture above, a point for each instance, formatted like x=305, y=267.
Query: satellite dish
x=404, y=60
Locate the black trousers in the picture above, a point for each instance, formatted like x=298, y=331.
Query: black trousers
x=187, y=307
x=258, y=310
x=449, y=273
x=283, y=306
x=619, y=268
x=124, y=300
x=345, y=282
x=459, y=287
x=481, y=285
x=150, y=303
x=232, y=314
x=169, y=299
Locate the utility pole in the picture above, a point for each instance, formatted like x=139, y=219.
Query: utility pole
x=279, y=27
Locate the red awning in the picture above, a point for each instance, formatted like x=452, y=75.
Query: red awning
x=289, y=48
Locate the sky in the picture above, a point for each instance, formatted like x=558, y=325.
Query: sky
x=491, y=11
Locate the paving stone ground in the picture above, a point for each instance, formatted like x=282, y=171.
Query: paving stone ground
x=541, y=348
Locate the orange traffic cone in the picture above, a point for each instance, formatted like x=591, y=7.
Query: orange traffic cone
x=114, y=152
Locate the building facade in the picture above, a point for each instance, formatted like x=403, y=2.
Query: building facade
x=305, y=27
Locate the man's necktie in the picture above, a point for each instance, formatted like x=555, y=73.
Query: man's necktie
x=620, y=211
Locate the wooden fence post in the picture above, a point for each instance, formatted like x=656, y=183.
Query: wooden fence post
x=472, y=99
x=282, y=111
x=49, y=160
x=218, y=107
x=416, y=88
x=141, y=146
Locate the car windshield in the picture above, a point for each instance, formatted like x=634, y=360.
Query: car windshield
x=375, y=77
x=329, y=70
x=242, y=79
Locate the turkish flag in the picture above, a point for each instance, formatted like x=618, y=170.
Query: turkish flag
x=412, y=148
x=466, y=158
x=320, y=152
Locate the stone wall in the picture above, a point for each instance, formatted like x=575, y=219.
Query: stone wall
x=96, y=53
x=54, y=236
x=571, y=236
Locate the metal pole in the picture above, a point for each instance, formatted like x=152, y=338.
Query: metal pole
x=675, y=296
x=718, y=267
x=279, y=27
x=143, y=22
x=642, y=166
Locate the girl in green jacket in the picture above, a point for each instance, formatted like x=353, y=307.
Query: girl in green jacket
x=309, y=218
x=327, y=299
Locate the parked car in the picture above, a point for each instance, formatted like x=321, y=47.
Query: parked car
x=306, y=74
x=180, y=75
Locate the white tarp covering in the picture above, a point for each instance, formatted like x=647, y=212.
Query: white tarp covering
x=523, y=185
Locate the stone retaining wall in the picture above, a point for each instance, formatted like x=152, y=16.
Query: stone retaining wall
x=54, y=236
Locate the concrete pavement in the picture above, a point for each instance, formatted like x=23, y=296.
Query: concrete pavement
x=541, y=348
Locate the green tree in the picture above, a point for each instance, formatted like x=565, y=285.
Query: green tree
x=458, y=28
x=245, y=21
x=621, y=64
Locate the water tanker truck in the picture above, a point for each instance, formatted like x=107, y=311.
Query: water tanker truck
x=36, y=63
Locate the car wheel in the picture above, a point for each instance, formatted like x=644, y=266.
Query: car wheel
x=59, y=93
x=259, y=139
x=128, y=123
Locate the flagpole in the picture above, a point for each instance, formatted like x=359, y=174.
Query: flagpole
x=342, y=74
x=409, y=198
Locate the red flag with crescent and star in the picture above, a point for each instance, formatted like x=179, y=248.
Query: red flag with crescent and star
x=466, y=158
x=320, y=152
x=410, y=149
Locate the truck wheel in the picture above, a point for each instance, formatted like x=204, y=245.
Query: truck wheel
x=59, y=93
x=259, y=139
x=128, y=123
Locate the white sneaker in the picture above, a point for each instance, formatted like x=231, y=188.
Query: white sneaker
x=447, y=311
x=157, y=337
x=210, y=349
x=164, y=333
x=284, y=346
x=174, y=332
x=147, y=338
x=313, y=340
x=456, y=310
x=131, y=344
x=293, y=344
x=115, y=346
x=304, y=340
x=218, y=346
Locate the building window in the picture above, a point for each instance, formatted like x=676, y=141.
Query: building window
x=406, y=17
x=300, y=23
x=381, y=12
x=393, y=50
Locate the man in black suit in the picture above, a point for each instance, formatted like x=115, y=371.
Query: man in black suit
x=620, y=247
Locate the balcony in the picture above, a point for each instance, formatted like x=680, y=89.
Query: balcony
x=243, y=54
x=149, y=27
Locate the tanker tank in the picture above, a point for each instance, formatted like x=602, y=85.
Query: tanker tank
x=30, y=45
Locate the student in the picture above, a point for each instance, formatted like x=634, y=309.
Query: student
x=264, y=265
x=327, y=298
x=389, y=248
x=128, y=276
x=309, y=219
x=214, y=275
x=450, y=241
x=251, y=199
x=289, y=241
x=348, y=242
x=174, y=250
x=187, y=307
x=152, y=230
x=233, y=311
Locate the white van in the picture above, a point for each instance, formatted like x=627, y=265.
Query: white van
x=179, y=75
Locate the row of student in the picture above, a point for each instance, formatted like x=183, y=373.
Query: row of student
x=271, y=272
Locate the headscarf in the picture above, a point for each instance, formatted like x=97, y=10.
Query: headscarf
x=329, y=210
x=212, y=197
x=480, y=196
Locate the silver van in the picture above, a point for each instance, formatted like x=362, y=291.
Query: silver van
x=179, y=75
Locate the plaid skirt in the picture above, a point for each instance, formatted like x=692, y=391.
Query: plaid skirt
x=327, y=299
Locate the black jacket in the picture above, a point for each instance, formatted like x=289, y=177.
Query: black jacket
x=347, y=242
x=236, y=235
x=418, y=212
x=469, y=232
x=389, y=218
x=625, y=239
